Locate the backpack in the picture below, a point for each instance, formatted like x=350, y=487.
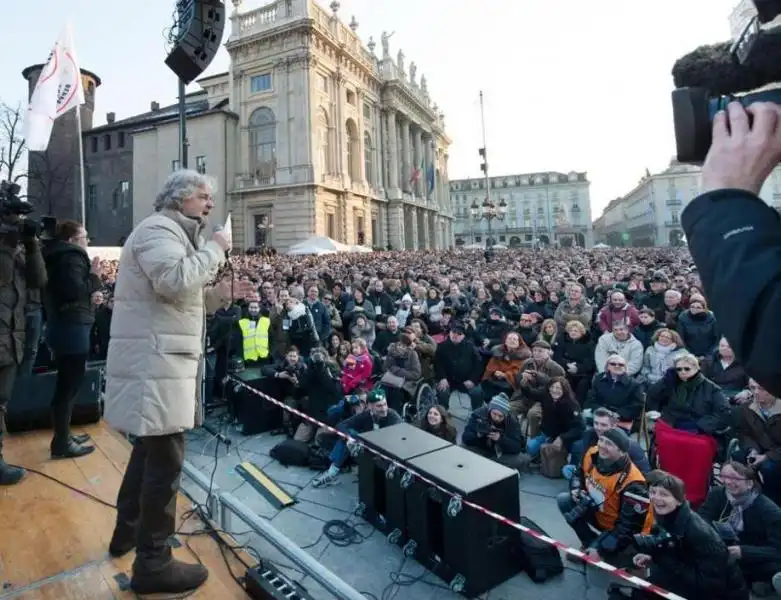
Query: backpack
x=291, y=453
x=539, y=560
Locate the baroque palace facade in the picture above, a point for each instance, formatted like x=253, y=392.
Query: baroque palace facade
x=329, y=139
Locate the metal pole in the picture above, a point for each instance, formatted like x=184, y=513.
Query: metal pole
x=332, y=584
x=487, y=181
x=182, y=127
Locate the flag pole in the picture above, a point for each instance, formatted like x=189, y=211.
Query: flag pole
x=81, y=168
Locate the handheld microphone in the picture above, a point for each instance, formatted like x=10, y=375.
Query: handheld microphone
x=707, y=80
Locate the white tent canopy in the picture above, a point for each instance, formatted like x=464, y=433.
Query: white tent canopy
x=318, y=244
x=600, y=246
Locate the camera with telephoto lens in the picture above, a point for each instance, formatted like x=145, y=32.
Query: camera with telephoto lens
x=657, y=541
x=13, y=211
x=584, y=504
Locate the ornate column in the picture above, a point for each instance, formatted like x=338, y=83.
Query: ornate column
x=405, y=156
x=429, y=162
x=426, y=229
x=393, y=156
x=419, y=163
x=414, y=212
x=379, y=169
x=339, y=167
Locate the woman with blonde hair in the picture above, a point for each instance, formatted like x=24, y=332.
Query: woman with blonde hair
x=666, y=347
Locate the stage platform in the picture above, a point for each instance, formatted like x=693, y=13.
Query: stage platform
x=54, y=541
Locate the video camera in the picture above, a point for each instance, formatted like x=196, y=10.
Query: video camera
x=13, y=211
x=713, y=76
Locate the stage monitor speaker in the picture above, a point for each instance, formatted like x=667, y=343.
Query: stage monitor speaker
x=200, y=25
x=30, y=405
x=382, y=497
x=461, y=545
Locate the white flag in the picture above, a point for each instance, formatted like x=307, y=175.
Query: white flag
x=58, y=90
x=228, y=229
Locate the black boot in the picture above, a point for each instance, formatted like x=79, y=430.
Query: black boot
x=8, y=475
x=176, y=578
x=122, y=541
x=81, y=438
x=63, y=445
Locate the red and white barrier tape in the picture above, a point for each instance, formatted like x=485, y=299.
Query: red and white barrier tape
x=619, y=573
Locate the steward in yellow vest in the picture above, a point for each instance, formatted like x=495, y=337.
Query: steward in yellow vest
x=608, y=500
x=255, y=335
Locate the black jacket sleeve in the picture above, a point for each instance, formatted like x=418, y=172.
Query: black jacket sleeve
x=735, y=240
x=72, y=279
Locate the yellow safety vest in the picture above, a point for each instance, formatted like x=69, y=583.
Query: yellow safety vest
x=255, y=338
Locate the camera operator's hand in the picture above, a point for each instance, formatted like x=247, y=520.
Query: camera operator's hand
x=743, y=156
x=494, y=436
x=97, y=266
x=641, y=561
x=734, y=552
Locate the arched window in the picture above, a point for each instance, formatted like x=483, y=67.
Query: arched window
x=325, y=149
x=353, y=151
x=368, y=163
x=263, y=143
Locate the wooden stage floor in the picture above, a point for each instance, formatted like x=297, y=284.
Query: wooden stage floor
x=54, y=541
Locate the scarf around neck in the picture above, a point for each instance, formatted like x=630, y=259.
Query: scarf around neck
x=740, y=504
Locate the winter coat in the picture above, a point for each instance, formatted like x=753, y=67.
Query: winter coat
x=630, y=350
x=154, y=361
x=509, y=363
x=699, y=333
x=609, y=315
x=656, y=363
x=756, y=432
x=705, y=405
x=699, y=565
x=566, y=312
x=402, y=361
x=457, y=363
x=622, y=395
x=19, y=271
x=356, y=376
x=426, y=348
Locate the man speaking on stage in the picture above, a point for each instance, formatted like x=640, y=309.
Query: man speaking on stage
x=154, y=367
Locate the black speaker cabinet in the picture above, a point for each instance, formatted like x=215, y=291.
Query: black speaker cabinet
x=257, y=415
x=381, y=492
x=200, y=26
x=30, y=405
x=463, y=546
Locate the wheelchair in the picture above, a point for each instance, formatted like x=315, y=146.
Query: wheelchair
x=422, y=400
x=695, y=458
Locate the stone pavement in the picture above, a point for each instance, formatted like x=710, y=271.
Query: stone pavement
x=370, y=564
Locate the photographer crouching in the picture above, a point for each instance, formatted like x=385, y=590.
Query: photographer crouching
x=21, y=268
x=494, y=432
x=608, y=500
x=686, y=556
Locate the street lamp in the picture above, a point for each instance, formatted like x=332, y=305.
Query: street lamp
x=489, y=211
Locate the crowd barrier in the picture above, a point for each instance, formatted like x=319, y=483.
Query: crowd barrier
x=456, y=502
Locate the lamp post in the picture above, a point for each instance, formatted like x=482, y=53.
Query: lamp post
x=489, y=211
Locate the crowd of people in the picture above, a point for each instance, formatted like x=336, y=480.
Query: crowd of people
x=565, y=357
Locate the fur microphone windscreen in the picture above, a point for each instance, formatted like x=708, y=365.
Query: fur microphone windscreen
x=713, y=67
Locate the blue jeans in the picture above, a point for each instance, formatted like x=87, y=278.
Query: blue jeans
x=339, y=453
x=32, y=338
x=576, y=457
x=534, y=445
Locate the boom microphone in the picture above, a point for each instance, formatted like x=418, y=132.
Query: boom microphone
x=714, y=68
x=707, y=80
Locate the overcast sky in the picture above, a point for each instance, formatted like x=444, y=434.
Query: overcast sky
x=568, y=84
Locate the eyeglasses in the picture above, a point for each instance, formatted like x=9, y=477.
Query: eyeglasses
x=684, y=369
x=615, y=364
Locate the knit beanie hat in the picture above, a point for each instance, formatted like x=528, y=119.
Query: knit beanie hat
x=501, y=403
x=619, y=437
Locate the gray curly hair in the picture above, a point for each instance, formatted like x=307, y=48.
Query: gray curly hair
x=180, y=185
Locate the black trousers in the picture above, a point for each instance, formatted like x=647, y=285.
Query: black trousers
x=7, y=378
x=70, y=376
x=146, y=504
